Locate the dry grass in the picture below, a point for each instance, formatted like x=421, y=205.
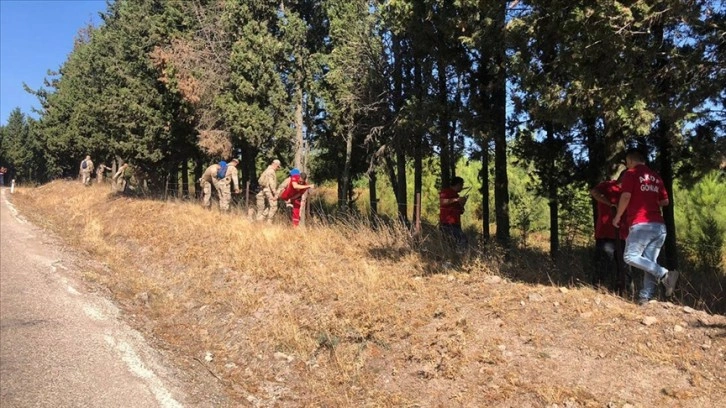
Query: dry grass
x=351, y=316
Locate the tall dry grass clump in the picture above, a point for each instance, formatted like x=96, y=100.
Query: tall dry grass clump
x=349, y=315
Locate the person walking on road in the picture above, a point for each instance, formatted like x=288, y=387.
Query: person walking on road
x=267, y=198
x=643, y=195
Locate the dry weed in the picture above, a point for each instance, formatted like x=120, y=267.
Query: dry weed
x=355, y=314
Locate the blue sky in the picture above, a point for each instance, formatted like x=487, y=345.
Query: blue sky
x=36, y=36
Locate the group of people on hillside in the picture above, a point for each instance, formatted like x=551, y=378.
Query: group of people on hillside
x=629, y=217
x=120, y=178
x=225, y=179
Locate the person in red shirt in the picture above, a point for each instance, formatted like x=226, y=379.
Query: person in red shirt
x=294, y=192
x=609, y=241
x=451, y=206
x=643, y=195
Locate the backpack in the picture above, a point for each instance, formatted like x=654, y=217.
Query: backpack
x=222, y=172
x=84, y=165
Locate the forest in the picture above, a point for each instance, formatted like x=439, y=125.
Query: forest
x=532, y=102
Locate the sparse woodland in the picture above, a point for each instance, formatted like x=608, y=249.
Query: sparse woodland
x=532, y=102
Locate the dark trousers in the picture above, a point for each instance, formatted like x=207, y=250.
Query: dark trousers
x=454, y=235
x=609, y=267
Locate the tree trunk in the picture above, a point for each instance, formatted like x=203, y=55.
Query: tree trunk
x=499, y=95
x=596, y=160
x=666, y=173
x=400, y=172
x=248, y=164
x=344, y=183
x=418, y=140
x=373, y=194
x=299, y=123
x=444, y=150
x=173, y=179
x=552, y=193
x=185, y=179
x=484, y=177
x=198, y=171
x=402, y=193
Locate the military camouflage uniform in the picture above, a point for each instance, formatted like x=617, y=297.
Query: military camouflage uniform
x=231, y=177
x=86, y=173
x=209, y=179
x=101, y=173
x=121, y=178
x=268, y=183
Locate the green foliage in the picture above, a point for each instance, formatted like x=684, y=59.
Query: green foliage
x=701, y=221
x=575, y=214
x=21, y=151
x=528, y=209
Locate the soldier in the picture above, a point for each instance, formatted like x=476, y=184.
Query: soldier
x=281, y=188
x=209, y=179
x=122, y=178
x=231, y=177
x=101, y=173
x=86, y=170
x=268, y=185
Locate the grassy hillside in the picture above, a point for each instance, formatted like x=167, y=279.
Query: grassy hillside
x=349, y=316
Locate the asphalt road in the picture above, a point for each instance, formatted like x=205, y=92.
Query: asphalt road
x=61, y=346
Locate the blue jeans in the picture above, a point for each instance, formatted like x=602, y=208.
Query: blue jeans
x=641, y=251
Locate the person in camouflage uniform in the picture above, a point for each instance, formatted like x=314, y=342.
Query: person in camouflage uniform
x=101, y=173
x=86, y=170
x=267, y=198
x=122, y=178
x=209, y=179
x=224, y=185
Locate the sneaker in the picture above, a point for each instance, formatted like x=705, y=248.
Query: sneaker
x=643, y=301
x=669, y=281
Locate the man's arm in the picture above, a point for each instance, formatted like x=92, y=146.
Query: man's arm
x=297, y=186
x=600, y=197
x=449, y=201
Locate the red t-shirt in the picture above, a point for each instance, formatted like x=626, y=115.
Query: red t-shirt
x=646, y=191
x=604, y=228
x=290, y=191
x=450, y=213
